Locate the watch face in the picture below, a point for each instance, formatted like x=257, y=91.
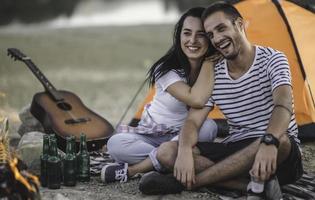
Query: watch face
x=268, y=138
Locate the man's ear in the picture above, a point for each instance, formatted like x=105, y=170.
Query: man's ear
x=240, y=24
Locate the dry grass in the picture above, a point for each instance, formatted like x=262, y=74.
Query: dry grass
x=104, y=66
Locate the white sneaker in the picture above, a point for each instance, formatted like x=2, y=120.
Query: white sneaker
x=115, y=172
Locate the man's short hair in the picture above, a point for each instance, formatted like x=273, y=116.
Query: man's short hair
x=224, y=7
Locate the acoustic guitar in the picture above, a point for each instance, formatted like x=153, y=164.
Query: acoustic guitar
x=63, y=113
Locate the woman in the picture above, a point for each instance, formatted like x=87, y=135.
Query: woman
x=177, y=83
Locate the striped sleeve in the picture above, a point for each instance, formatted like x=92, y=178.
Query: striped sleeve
x=210, y=102
x=278, y=70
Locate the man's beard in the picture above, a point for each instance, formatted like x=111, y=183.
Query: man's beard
x=232, y=56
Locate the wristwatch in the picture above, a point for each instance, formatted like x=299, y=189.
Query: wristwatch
x=269, y=139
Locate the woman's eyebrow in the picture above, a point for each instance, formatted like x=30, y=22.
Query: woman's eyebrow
x=186, y=29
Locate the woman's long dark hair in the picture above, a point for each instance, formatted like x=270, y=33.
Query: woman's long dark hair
x=174, y=59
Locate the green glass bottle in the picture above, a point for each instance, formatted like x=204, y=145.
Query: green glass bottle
x=69, y=163
x=53, y=166
x=43, y=161
x=83, y=161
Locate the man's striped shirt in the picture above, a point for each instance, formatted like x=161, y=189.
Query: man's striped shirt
x=247, y=102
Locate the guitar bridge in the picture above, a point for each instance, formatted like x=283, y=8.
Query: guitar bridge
x=77, y=121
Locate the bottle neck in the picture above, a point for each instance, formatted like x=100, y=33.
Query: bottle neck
x=46, y=145
x=83, y=147
x=70, y=145
x=53, y=147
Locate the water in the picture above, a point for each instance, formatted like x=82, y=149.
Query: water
x=99, y=13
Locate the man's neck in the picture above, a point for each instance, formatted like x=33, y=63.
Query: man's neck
x=241, y=64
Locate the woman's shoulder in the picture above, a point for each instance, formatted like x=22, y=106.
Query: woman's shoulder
x=169, y=78
x=175, y=74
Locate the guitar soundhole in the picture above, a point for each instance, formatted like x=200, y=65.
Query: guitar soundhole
x=64, y=106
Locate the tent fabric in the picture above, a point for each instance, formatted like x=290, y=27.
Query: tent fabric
x=289, y=28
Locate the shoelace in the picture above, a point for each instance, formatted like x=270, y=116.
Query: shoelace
x=121, y=175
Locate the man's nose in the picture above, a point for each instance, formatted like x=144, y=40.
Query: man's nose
x=216, y=38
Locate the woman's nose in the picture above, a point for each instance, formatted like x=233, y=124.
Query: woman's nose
x=192, y=39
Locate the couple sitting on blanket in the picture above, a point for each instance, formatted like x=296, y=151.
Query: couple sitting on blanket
x=250, y=84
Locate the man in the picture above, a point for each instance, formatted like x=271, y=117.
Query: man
x=253, y=90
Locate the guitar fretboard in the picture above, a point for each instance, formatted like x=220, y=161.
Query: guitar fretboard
x=45, y=82
x=18, y=55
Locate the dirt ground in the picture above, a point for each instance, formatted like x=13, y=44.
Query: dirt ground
x=96, y=190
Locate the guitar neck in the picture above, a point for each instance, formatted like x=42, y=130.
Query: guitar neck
x=44, y=81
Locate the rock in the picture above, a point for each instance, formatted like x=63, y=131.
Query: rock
x=25, y=128
x=25, y=114
x=29, y=122
x=34, y=137
x=30, y=148
x=60, y=197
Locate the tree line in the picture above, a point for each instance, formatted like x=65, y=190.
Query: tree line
x=27, y=11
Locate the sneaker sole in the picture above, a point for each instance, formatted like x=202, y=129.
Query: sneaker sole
x=151, y=184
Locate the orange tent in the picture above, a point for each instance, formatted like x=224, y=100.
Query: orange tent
x=289, y=28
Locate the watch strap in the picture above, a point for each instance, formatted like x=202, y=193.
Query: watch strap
x=273, y=141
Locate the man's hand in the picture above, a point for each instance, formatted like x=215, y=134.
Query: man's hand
x=184, y=170
x=265, y=163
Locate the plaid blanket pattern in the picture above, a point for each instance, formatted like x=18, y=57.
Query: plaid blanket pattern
x=97, y=161
x=148, y=126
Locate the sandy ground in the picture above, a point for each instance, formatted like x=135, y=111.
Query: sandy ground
x=96, y=190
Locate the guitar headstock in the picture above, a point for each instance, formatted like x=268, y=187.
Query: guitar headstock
x=16, y=54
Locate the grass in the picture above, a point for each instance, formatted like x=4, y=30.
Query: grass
x=104, y=66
